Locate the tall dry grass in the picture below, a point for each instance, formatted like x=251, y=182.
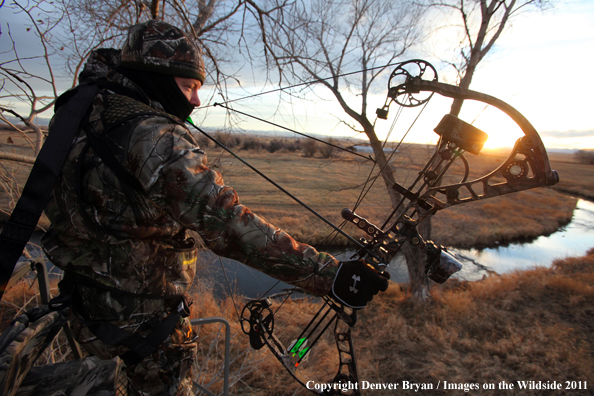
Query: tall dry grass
x=329, y=186
x=531, y=325
x=527, y=325
x=23, y=296
x=576, y=179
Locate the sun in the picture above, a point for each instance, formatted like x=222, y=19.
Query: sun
x=502, y=130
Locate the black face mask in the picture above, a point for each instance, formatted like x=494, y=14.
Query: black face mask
x=163, y=89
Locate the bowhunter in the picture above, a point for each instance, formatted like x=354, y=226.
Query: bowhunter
x=134, y=187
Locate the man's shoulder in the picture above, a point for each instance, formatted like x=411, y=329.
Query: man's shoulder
x=118, y=109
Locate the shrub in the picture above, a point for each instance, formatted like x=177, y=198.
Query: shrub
x=275, y=145
x=227, y=138
x=585, y=157
x=293, y=146
x=327, y=150
x=202, y=140
x=310, y=147
x=251, y=143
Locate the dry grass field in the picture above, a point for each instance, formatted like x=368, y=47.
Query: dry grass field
x=329, y=185
x=534, y=325
x=530, y=325
x=576, y=179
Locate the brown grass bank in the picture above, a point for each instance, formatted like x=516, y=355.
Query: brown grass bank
x=328, y=186
x=535, y=325
x=531, y=325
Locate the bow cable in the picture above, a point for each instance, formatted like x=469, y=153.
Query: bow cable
x=298, y=342
x=364, y=192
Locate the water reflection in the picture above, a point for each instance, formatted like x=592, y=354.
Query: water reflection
x=575, y=239
x=232, y=276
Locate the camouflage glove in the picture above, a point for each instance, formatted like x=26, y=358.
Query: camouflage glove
x=356, y=283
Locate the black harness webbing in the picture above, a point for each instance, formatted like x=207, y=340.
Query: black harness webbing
x=36, y=193
x=140, y=346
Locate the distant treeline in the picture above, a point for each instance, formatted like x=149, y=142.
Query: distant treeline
x=308, y=147
x=585, y=157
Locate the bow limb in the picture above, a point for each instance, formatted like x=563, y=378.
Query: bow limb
x=549, y=176
x=527, y=166
x=258, y=322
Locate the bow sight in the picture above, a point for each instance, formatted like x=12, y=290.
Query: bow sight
x=412, y=84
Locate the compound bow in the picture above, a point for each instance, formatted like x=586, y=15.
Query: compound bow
x=526, y=167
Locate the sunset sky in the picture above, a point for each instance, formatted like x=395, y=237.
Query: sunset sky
x=541, y=66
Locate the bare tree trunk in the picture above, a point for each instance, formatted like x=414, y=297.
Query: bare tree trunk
x=155, y=9
x=414, y=256
x=387, y=170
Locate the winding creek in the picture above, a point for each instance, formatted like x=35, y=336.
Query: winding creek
x=574, y=239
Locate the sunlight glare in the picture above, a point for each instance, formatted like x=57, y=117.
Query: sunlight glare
x=502, y=130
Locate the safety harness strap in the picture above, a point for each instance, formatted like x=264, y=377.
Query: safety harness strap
x=140, y=347
x=36, y=193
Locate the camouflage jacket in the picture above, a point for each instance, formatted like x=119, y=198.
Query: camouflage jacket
x=135, y=241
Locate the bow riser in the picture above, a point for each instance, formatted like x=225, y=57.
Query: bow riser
x=258, y=323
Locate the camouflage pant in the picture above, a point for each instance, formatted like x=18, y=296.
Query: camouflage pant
x=168, y=370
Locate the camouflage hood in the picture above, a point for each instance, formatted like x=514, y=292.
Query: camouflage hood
x=99, y=64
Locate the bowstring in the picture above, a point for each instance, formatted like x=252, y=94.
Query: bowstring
x=305, y=83
x=364, y=192
x=229, y=289
x=278, y=186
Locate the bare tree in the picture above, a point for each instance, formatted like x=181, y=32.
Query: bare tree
x=321, y=40
x=67, y=31
x=23, y=79
x=480, y=23
x=71, y=29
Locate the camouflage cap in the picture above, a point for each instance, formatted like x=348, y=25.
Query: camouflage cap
x=159, y=47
